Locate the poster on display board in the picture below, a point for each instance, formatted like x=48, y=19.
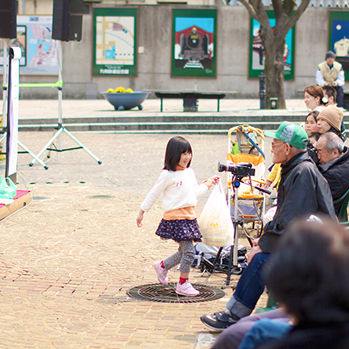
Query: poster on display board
x=39, y=50
x=257, y=52
x=115, y=41
x=194, y=43
x=338, y=38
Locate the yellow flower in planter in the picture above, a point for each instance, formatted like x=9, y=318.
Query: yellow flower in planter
x=129, y=90
x=120, y=90
x=110, y=90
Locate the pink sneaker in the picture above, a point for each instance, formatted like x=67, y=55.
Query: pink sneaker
x=161, y=273
x=186, y=289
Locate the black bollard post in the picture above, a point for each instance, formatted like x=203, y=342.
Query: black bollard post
x=262, y=91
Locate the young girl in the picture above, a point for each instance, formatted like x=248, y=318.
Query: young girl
x=179, y=188
x=311, y=122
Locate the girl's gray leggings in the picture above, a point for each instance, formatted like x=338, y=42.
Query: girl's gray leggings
x=185, y=257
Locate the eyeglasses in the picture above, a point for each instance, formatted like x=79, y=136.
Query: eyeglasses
x=273, y=145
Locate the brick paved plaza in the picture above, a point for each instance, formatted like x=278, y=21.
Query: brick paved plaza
x=67, y=260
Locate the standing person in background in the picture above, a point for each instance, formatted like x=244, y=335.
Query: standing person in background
x=331, y=73
x=314, y=98
x=179, y=189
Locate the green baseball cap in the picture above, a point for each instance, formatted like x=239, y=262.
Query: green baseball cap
x=290, y=133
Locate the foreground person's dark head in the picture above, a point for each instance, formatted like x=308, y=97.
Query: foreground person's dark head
x=309, y=272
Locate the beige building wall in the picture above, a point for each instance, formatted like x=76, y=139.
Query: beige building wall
x=154, y=63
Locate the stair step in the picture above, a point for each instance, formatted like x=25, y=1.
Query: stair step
x=162, y=123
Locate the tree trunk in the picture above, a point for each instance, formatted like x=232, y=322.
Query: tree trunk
x=274, y=72
x=274, y=49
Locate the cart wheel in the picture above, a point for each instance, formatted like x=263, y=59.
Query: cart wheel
x=121, y=107
x=140, y=107
x=236, y=271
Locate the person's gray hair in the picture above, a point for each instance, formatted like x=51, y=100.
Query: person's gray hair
x=333, y=142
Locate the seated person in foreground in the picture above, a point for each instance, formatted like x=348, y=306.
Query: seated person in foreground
x=330, y=120
x=331, y=95
x=309, y=276
x=302, y=191
x=334, y=164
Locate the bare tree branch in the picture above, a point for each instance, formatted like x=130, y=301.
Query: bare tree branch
x=288, y=6
x=249, y=8
x=277, y=5
x=292, y=21
x=274, y=40
x=263, y=18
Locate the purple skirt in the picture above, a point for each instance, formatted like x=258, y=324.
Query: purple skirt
x=179, y=230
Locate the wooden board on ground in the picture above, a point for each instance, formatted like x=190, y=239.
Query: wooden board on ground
x=22, y=199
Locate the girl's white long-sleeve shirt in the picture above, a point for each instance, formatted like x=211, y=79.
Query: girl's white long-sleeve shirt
x=179, y=189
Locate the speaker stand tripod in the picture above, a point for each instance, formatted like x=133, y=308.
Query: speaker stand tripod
x=26, y=150
x=60, y=128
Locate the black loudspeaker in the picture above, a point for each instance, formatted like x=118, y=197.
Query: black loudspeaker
x=8, y=19
x=67, y=19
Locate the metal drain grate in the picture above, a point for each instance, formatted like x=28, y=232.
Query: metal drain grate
x=166, y=293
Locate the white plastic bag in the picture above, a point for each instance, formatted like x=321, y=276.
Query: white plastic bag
x=215, y=222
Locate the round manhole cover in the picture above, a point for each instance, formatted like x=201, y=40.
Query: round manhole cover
x=166, y=293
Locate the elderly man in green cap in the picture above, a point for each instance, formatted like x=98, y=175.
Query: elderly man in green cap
x=303, y=191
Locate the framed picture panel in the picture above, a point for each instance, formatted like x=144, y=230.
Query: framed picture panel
x=194, y=43
x=257, y=52
x=39, y=51
x=115, y=41
x=338, y=38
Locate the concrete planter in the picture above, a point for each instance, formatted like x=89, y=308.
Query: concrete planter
x=126, y=101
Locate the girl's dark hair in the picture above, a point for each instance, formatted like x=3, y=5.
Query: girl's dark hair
x=315, y=91
x=314, y=114
x=316, y=135
x=309, y=272
x=176, y=146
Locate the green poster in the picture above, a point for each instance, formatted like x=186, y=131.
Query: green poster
x=194, y=42
x=338, y=40
x=257, y=52
x=115, y=41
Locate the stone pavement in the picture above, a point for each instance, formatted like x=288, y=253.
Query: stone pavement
x=67, y=260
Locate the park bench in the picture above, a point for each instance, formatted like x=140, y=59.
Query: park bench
x=190, y=98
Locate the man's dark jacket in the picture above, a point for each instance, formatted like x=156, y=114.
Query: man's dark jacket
x=303, y=191
x=337, y=176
